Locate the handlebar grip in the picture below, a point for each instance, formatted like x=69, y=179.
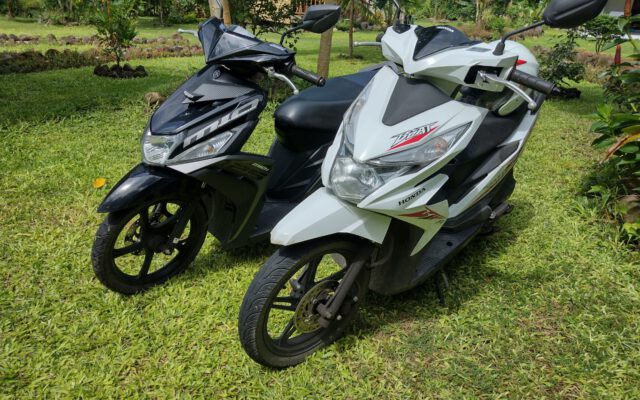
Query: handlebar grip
x=307, y=75
x=532, y=82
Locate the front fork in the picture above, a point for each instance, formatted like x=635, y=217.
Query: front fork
x=331, y=310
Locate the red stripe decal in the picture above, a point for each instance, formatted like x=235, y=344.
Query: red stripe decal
x=414, y=139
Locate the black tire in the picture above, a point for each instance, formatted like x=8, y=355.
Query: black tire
x=104, y=252
x=275, y=276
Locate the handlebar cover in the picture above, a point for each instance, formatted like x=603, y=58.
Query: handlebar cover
x=532, y=82
x=307, y=75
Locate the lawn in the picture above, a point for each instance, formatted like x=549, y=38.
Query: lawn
x=546, y=307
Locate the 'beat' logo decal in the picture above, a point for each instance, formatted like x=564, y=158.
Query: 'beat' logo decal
x=412, y=136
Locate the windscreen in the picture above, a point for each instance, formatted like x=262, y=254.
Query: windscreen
x=437, y=38
x=218, y=40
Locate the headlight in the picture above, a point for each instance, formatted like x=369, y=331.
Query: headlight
x=205, y=149
x=157, y=148
x=353, y=181
x=433, y=148
x=350, y=119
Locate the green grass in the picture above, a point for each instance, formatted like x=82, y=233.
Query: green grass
x=547, y=307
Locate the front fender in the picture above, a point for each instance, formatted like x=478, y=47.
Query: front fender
x=145, y=183
x=323, y=214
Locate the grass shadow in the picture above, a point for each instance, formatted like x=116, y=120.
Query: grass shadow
x=471, y=268
x=68, y=93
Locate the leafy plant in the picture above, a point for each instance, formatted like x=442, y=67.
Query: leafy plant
x=603, y=29
x=559, y=64
x=116, y=25
x=618, y=127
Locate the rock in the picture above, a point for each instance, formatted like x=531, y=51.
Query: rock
x=13, y=37
x=101, y=70
x=52, y=53
x=154, y=99
x=140, y=71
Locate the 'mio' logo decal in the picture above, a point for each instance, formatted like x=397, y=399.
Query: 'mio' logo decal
x=412, y=136
x=427, y=213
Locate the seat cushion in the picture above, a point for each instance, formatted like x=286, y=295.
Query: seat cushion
x=312, y=118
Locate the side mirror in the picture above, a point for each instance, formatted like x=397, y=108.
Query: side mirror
x=571, y=13
x=320, y=18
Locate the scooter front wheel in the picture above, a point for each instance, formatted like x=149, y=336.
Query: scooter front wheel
x=144, y=246
x=279, y=325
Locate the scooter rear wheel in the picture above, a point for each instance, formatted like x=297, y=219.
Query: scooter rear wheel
x=131, y=251
x=278, y=323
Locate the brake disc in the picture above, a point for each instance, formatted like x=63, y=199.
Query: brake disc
x=306, y=317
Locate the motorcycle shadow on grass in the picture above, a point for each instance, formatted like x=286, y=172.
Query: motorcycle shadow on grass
x=468, y=274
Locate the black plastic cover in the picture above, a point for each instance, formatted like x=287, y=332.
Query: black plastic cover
x=571, y=13
x=411, y=97
x=437, y=38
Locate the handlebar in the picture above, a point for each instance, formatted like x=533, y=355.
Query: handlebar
x=360, y=44
x=532, y=82
x=307, y=75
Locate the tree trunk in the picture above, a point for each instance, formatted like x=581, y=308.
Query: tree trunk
x=214, y=9
x=226, y=12
x=10, y=12
x=479, y=14
x=351, y=16
x=324, y=54
x=628, y=7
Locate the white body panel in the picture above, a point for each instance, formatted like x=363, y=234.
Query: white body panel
x=323, y=214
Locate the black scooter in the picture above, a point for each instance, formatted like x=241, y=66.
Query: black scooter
x=195, y=177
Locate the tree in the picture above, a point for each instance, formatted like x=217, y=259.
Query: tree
x=226, y=12
x=10, y=8
x=354, y=7
x=116, y=25
x=214, y=9
x=324, y=54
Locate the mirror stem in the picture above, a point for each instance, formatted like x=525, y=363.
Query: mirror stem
x=499, y=50
x=287, y=32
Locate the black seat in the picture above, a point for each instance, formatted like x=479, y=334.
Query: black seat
x=313, y=117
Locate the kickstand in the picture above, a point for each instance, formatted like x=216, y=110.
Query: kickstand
x=442, y=276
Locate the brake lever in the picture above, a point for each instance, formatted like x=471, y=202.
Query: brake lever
x=491, y=78
x=189, y=31
x=271, y=73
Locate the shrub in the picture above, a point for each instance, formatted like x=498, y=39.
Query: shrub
x=116, y=27
x=559, y=64
x=618, y=128
x=603, y=29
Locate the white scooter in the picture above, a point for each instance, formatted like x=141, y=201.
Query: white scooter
x=422, y=163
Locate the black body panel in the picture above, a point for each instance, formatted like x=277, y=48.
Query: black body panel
x=145, y=183
x=437, y=38
x=313, y=117
x=411, y=97
x=212, y=92
x=239, y=181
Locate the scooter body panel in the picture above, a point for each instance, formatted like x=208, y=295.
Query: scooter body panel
x=323, y=214
x=143, y=184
